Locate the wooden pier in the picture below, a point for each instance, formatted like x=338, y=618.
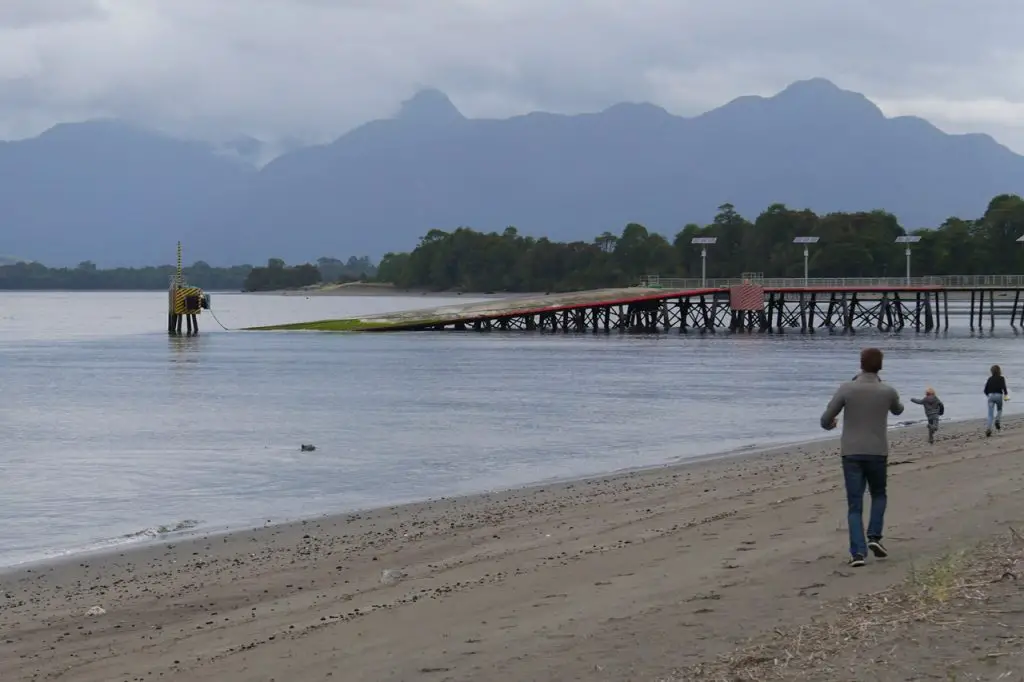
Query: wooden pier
x=750, y=304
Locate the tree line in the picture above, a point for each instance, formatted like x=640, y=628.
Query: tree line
x=276, y=275
x=852, y=244
x=859, y=244
x=87, y=277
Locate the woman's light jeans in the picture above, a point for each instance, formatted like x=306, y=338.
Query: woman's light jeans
x=995, y=408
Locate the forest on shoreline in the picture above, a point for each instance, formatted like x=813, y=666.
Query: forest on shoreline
x=858, y=244
x=861, y=244
x=271, y=277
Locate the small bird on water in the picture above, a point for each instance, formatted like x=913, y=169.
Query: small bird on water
x=307, y=448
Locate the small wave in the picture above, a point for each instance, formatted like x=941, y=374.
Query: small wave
x=158, y=531
x=138, y=537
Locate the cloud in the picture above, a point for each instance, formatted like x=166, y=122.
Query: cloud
x=24, y=14
x=315, y=68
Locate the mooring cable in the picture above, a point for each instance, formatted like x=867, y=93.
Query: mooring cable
x=214, y=316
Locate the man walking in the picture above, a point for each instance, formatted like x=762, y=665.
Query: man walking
x=866, y=403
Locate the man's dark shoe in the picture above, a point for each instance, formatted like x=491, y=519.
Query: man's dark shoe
x=988, y=432
x=999, y=427
x=856, y=561
x=878, y=549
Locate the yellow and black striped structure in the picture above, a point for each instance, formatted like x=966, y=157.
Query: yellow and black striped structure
x=187, y=300
x=184, y=302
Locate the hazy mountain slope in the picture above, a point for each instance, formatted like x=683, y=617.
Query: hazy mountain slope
x=110, y=193
x=385, y=184
x=107, y=192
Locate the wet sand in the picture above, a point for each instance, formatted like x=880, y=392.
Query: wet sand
x=624, y=577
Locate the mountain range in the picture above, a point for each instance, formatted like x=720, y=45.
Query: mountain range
x=117, y=194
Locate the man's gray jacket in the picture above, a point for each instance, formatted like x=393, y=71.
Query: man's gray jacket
x=865, y=403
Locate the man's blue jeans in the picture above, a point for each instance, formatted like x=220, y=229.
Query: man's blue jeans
x=860, y=472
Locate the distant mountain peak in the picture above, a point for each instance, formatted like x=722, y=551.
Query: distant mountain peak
x=814, y=100
x=429, y=106
x=817, y=85
x=635, y=109
x=821, y=94
x=93, y=126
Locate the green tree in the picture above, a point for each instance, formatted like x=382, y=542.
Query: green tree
x=277, y=276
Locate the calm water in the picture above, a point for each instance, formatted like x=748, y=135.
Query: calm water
x=117, y=433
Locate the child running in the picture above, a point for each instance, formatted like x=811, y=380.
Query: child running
x=933, y=409
x=995, y=392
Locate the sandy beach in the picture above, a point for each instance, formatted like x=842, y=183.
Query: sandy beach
x=637, y=576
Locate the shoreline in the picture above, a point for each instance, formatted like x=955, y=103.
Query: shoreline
x=111, y=546
x=597, y=579
x=384, y=289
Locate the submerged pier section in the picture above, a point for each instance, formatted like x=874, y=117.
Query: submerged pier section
x=749, y=304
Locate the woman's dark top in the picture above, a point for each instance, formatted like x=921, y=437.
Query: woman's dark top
x=996, y=384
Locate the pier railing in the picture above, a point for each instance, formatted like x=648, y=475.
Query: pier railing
x=949, y=281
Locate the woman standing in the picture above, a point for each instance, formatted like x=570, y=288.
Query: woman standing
x=995, y=391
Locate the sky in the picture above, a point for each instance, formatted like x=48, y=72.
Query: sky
x=313, y=69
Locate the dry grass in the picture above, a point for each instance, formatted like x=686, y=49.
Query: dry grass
x=942, y=595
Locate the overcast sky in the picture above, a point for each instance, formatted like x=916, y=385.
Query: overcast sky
x=315, y=68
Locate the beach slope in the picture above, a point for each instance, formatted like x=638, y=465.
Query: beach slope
x=627, y=577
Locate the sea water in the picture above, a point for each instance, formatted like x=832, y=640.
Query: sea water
x=112, y=433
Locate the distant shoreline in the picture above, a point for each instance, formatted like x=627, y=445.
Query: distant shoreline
x=389, y=290
x=381, y=289
x=354, y=289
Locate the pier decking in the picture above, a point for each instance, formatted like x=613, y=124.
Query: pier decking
x=748, y=304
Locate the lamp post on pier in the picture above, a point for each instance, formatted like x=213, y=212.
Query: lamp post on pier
x=1020, y=239
x=704, y=242
x=908, y=239
x=806, y=241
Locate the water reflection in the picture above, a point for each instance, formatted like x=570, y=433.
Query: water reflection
x=184, y=350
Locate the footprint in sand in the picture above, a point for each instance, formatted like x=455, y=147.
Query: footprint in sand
x=807, y=591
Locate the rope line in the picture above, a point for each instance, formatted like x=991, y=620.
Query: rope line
x=214, y=316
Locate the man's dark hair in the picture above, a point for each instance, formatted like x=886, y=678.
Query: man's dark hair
x=996, y=371
x=871, y=360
